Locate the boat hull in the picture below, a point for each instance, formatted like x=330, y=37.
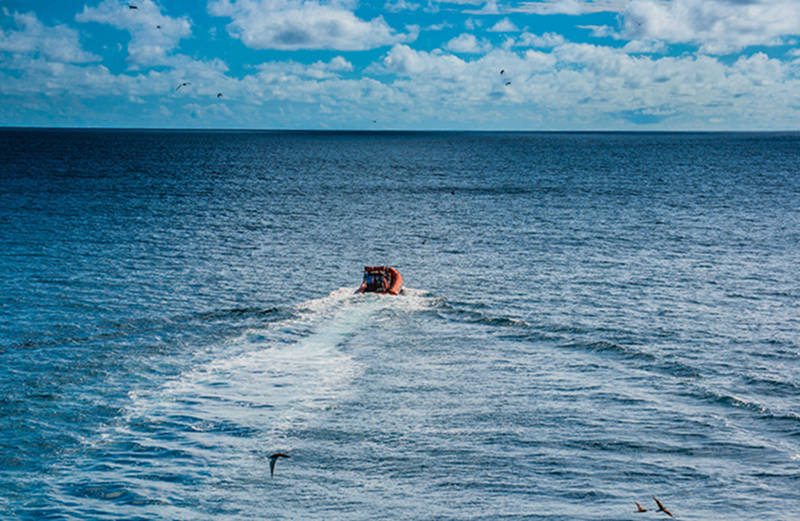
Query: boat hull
x=393, y=281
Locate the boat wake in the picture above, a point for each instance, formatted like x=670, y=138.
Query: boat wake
x=275, y=377
x=236, y=400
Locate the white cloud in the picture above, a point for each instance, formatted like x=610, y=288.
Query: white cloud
x=38, y=75
x=51, y=78
x=303, y=24
x=206, y=112
x=340, y=64
x=535, y=40
x=490, y=7
x=274, y=80
x=467, y=43
x=571, y=7
x=504, y=26
x=438, y=27
x=716, y=26
x=572, y=86
x=645, y=47
x=317, y=70
x=153, y=34
x=599, y=31
x=760, y=70
x=395, y=6
x=476, y=75
x=405, y=61
x=579, y=83
x=58, y=44
x=412, y=32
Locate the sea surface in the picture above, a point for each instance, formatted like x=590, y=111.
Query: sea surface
x=589, y=320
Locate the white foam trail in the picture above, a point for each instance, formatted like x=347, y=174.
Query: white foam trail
x=243, y=397
x=277, y=377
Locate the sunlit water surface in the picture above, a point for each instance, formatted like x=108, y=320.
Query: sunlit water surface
x=589, y=320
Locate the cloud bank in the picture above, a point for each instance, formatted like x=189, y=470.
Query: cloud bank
x=302, y=24
x=683, y=64
x=59, y=43
x=715, y=26
x=153, y=34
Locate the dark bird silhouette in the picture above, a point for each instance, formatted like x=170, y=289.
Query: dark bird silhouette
x=132, y=7
x=661, y=507
x=502, y=71
x=273, y=458
x=640, y=508
x=158, y=27
x=508, y=83
x=185, y=83
x=219, y=94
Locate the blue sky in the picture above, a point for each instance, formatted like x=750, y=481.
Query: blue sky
x=402, y=64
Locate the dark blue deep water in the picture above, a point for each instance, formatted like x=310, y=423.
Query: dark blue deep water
x=589, y=320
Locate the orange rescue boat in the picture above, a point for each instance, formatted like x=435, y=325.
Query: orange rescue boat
x=381, y=279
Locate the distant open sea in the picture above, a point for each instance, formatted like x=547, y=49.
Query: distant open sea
x=589, y=320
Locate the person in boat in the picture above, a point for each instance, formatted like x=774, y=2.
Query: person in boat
x=381, y=279
x=375, y=281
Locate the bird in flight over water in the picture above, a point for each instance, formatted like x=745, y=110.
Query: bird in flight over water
x=273, y=458
x=661, y=507
x=184, y=84
x=640, y=508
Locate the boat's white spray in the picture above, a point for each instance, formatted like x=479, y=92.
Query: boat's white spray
x=239, y=401
x=275, y=378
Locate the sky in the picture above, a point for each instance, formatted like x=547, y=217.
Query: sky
x=402, y=64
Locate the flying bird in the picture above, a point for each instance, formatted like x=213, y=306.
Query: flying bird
x=640, y=508
x=508, y=83
x=132, y=7
x=502, y=71
x=661, y=507
x=185, y=83
x=158, y=27
x=273, y=458
x=219, y=94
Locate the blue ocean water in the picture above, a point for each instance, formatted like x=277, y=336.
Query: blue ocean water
x=589, y=320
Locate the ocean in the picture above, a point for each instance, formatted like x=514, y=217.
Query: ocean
x=589, y=320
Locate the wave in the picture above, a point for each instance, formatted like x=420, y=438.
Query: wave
x=471, y=314
x=612, y=348
x=120, y=330
x=565, y=337
x=721, y=397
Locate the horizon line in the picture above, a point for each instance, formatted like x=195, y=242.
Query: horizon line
x=401, y=130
